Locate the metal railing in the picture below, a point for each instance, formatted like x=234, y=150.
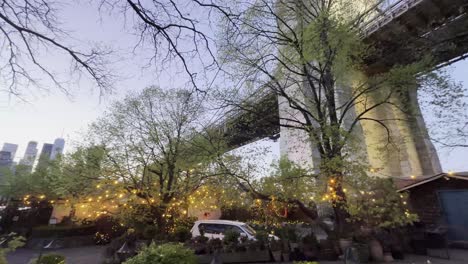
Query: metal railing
x=383, y=17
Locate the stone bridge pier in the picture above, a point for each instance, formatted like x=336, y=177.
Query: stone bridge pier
x=399, y=146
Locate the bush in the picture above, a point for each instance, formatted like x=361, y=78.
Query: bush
x=107, y=229
x=182, y=234
x=231, y=237
x=51, y=259
x=262, y=236
x=62, y=231
x=164, y=254
x=150, y=232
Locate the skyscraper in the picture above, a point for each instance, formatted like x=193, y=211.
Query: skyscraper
x=57, y=148
x=12, y=148
x=46, y=150
x=6, y=163
x=5, y=159
x=44, y=158
x=30, y=154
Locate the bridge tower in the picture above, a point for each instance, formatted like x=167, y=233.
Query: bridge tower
x=409, y=150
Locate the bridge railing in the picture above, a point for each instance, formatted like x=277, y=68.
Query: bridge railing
x=380, y=18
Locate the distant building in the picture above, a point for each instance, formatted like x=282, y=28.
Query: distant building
x=46, y=150
x=29, y=155
x=57, y=148
x=5, y=158
x=44, y=157
x=12, y=148
x=6, y=163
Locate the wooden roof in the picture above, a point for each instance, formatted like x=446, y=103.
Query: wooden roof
x=403, y=184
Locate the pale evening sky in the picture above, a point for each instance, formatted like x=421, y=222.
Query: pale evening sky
x=50, y=115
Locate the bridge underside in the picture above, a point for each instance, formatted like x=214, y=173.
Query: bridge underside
x=432, y=27
x=438, y=28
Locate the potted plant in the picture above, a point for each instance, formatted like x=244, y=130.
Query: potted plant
x=276, y=248
x=376, y=206
x=310, y=247
x=383, y=236
x=285, y=252
x=361, y=243
x=327, y=250
x=292, y=238
x=215, y=245
x=345, y=241
x=199, y=244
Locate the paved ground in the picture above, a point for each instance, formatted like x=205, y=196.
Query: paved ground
x=83, y=255
x=94, y=255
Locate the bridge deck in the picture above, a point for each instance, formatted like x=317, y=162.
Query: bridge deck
x=404, y=33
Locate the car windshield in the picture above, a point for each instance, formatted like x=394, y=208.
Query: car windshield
x=248, y=229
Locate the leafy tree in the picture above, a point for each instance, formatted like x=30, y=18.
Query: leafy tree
x=374, y=202
x=153, y=151
x=310, y=54
x=70, y=180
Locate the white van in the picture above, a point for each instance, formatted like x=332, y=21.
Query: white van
x=217, y=228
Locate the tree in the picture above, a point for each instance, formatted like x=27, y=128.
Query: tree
x=32, y=29
x=311, y=55
x=179, y=30
x=150, y=152
x=446, y=99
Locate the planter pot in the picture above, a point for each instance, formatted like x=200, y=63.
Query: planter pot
x=204, y=259
x=344, y=243
x=387, y=257
x=362, y=251
x=285, y=256
x=276, y=255
x=376, y=250
x=294, y=245
x=327, y=251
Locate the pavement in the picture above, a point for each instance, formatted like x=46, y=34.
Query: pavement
x=81, y=255
x=95, y=255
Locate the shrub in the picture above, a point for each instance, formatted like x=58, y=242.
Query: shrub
x=14, y=243
x=215, y=244
x=150, y=232
x=51, y=259
x=182, y=234
x=164, y=254
x=261, y=236
x=107, y=229
x=62, y=231
x=231, y=237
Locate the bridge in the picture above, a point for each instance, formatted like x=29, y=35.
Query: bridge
x=404, y=31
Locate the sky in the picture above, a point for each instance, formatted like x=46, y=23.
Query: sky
x=48, y=115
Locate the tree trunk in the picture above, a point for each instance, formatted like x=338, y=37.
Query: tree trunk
x=340, y=207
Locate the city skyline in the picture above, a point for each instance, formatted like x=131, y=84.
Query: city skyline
x=34, y=149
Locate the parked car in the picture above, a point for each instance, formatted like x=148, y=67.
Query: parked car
x=216, y=229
